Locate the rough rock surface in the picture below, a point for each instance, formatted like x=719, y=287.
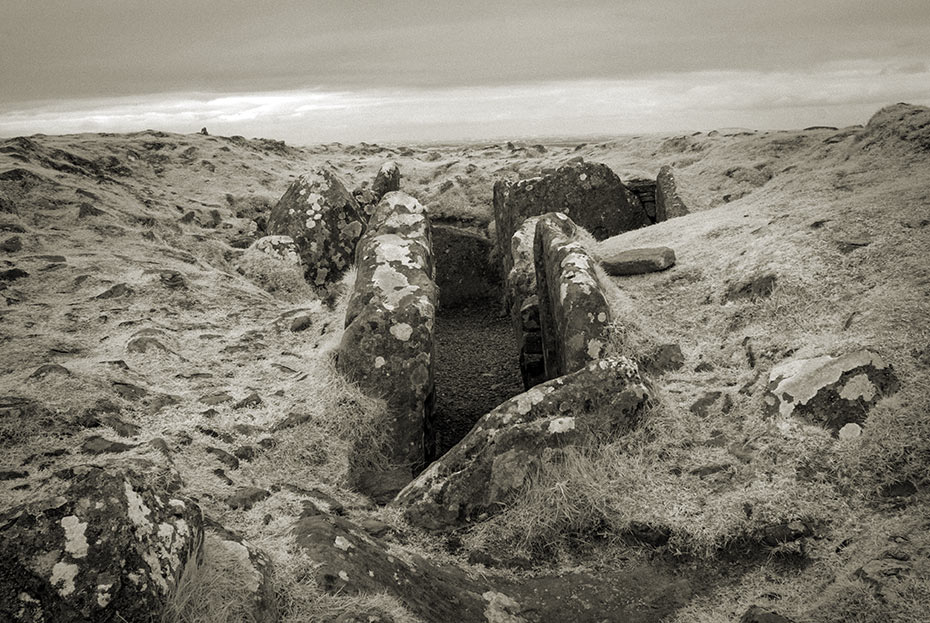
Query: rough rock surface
x=645, y=191
x=278, y=247
x=387, y=347
x=491, y=464
x=830, y=391
x=103, y=546
x=387, y=180
x=637, y=261
x=523, y=301
x=668, y=201
x=324, y=221
x=573, y=309
x=349, y=561
x=465, y=273
x=589, y=193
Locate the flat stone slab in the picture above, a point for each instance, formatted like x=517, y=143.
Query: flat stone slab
x=638, y=261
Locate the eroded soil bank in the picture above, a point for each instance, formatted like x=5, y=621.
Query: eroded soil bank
x=476, y=369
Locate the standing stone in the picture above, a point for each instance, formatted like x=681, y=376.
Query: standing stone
x=830, y=391
x=493, y=463
x=668, y=201
x=323, y=220
x=387, y=347
x=589, y=193
x=573, y=309
x=523, y=301
x=103, y=546
x=387, y=180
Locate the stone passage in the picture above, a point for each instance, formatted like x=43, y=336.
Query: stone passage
x=476, y=365
x=388, y=346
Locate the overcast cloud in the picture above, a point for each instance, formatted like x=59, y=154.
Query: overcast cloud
x=351, y=70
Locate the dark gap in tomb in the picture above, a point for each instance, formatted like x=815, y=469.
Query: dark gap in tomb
x=476, y=363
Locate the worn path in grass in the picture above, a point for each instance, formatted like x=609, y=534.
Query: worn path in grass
x=477, y=368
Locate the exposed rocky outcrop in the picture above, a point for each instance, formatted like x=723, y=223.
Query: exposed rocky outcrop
x=249, y=564
x=323, y=220
x=830, y=391
x=637, y=261
x=589, y=193
x=668, y=201
x=493, y=462
x=349, y=561
x=465, y=272
x=387, y=347
x=102, y=544
x=573, y=310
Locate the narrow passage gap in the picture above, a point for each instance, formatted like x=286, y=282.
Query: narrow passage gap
x=477, y=368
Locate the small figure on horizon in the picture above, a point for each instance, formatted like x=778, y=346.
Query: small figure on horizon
x=204, y=131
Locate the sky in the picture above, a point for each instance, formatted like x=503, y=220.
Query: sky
x=411, y=70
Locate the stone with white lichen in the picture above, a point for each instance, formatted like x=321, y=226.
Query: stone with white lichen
x=574, y=312
x=491, y=464
x=387, y=347
x=830, y=391
x=98, y=544
x=324, y=221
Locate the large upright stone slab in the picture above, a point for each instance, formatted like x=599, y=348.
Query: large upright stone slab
x=324, y=221
x=668, y=200
x=589, y=193
x=494, y=462
x=98, y=544
x=573, y=310
x=387, y=347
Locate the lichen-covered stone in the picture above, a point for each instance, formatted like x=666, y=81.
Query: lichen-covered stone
x=620, y=263
x=281, y=248
x=387, y=347
x=491, y=464
x=523, y=302
x=323, y=220
x=573, y=309
x=830, y=391
x=387, y=180
x=589, y=193
x=668, y=201
x=98, y=544
x=349, y=561
x=465, y=272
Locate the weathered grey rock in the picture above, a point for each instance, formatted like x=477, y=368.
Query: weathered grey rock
x=589, y=193
x=105, y=545
x=281, y=248
x=830, y=391
x=668, y=201
x=523, y=301
x=323, y=220
x=465, y=272
x=348, y=561
x=257, y=596
x=645, y=191
x=637, y=261
x=387, y=347
x=573, y=309
x=491, y=464
x=387, y=180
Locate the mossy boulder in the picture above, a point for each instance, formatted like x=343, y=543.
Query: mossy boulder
x=323, y=220
x=99, y=544
x=493, y=463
